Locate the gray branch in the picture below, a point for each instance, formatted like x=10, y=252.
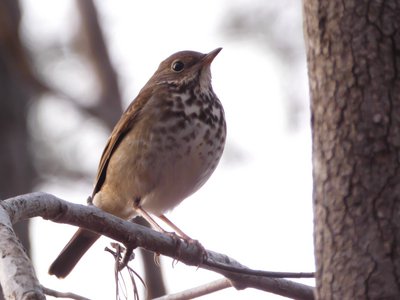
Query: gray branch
x=52, y=208
x=17, y=276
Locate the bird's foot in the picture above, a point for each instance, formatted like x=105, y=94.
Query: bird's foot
x=89, y=200
x=201, y=251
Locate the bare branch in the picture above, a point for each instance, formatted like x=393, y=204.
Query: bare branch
x=17, y=276
x=58, y=294
x=199, y=291
x=130, y=234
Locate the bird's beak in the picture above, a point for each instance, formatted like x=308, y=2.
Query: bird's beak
x=209, y=57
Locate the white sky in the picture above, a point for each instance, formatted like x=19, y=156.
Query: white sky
x=257, y=209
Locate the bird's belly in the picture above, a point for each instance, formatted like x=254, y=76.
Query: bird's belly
x=187, y=156
x=158, y=169
x=182, y=176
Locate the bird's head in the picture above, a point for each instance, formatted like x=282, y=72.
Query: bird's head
x=185, y=68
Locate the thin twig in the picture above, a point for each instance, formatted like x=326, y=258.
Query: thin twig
x=58, y=294
x=117, y=254
x=199, y=291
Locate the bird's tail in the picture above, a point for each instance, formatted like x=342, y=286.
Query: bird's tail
x=78, y=245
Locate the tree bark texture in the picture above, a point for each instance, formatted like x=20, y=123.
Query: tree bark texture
x=353, y=54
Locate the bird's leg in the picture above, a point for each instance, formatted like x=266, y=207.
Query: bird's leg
x=184, y=236
x=175, y=235
x=155, y=225
x=175, y=228
x=149, y=219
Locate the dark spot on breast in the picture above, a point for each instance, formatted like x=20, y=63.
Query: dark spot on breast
x=207, y=134
x=218, y=133
x=169, y=103
x=172, y=114
x=179, y=103
x=203, y=117
x=207, y=138
x=168, y=114
x=181, y=124
x=190, y=136
x=199, y=103
x=190, y=100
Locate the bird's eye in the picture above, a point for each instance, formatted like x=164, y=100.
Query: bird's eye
x=177, y=66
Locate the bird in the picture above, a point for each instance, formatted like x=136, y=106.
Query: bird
x=165, y=146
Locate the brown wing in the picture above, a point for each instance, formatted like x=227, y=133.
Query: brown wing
x=127, y=123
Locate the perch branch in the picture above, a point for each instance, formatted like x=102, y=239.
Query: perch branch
x=52, y=208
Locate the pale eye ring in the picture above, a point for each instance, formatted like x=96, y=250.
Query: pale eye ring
x=177, y=66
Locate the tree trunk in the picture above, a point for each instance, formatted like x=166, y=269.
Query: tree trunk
x=353, y=52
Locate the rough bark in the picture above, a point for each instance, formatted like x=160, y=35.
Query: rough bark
x=17, y=276
x=353, y=52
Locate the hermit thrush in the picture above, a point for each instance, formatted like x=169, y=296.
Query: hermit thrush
x=164, y=148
